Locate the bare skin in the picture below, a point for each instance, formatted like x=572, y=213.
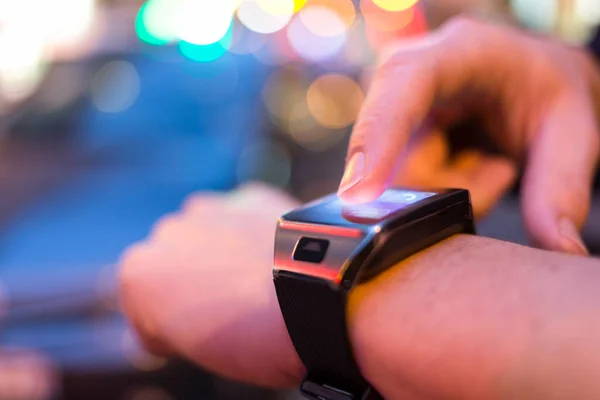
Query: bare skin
x=470, y=318
x=535, y=96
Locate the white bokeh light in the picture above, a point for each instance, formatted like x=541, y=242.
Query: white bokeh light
x=68, y=21
x=115, y=87
x=322, y=21
x=22, y=61
x=538, y=15
x=204, y=22
x=160, y=19
x=263, y=16
x=311, y=46
x=588, y=11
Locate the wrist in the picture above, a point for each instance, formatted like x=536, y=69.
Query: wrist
x=386, y=315
x=475, y=318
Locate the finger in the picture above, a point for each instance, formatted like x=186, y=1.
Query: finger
x=558, y=178
x=405, y=88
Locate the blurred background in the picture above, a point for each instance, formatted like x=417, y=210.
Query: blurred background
x=112, y=111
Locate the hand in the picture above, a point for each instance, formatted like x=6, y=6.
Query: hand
x=469, y=318
x=202, y=286
x=534, y=96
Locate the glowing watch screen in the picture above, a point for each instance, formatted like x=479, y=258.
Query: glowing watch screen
x=333, y=211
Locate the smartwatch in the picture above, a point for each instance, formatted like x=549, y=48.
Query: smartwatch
x=325, y=247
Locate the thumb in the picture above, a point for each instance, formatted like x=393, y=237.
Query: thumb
x=558, y=178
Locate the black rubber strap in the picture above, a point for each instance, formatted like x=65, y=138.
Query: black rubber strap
x=315, y=314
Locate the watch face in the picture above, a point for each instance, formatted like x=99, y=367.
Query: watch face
x=332, y=211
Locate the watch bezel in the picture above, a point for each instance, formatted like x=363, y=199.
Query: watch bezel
x=367, y=236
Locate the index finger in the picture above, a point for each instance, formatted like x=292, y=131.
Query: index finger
x=464, y=55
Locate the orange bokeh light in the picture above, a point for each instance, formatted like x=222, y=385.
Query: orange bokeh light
x=334, y=100
x=379, y=38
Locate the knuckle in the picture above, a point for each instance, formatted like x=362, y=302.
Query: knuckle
x=136, y=288
x=194, y=202
x=166, y=226
x=132, y=271
x=133, y=257
x=471, y=34
x=132, y=281
x=253, y=186
x=201, y=203
x=463, y=24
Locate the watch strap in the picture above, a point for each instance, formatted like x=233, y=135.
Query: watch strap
x=315, y=314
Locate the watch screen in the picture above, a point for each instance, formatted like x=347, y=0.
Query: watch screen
x=333, y=211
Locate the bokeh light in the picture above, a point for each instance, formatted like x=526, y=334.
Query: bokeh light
x=67, y=21
x=395, y=5
x=313, y=47
x=378, y=39
x=277, y=7
x=383, y=20
x=32, y=34
x=300, y=123
x=588, y=11
x=328, y=17
x=358, y=51
x=22, y=60
x=307, y=133
x=537, y=15
x=156, y=22
x=204, y=22
x=283, y=90
x=245, y=41
x=265, y=16
x=271, y=54
x=298, y=4
x=322, y=21
x=334, y=100
x=115, y=86
x=206, y=53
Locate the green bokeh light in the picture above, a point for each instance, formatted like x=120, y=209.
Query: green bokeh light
x=155, y=22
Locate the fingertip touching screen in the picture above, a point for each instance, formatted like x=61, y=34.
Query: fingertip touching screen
x=333, y=211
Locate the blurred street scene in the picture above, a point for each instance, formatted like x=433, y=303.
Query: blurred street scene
x=112, y=112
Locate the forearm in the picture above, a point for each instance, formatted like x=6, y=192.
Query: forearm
x=475, y=318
